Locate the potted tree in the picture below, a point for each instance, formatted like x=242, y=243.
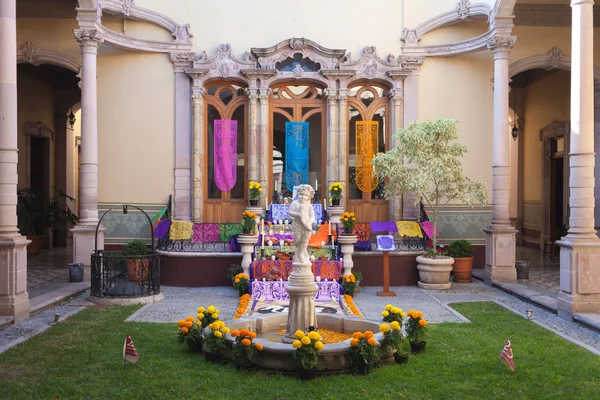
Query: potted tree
x=37, y=213
x=427, y=163
x=462, y=252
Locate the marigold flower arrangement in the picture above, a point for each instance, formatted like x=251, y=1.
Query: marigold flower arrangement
x=214, y=342
x=248, y=222
x=244, y=348
x=307, y=349
x=350, y=302
x=392, y=313
x=348, y=221
x=240, y=282
x=207, y=315
x=393, y=338
x=190, y=333
x=335, y=190
x=349, y=284
x=363, y=349
x=244, y=300
x=255, y=190
x=416, y=326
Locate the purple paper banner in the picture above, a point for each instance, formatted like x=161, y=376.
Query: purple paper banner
x=225, y=152
x=384, y=226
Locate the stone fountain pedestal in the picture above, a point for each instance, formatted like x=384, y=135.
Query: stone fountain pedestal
x=302, y=290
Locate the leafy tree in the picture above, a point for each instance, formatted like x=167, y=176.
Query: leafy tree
x=433, y=169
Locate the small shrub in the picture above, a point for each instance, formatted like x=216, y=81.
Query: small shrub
x=461, y=249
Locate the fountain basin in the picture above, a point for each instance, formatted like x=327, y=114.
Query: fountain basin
x=278, y=356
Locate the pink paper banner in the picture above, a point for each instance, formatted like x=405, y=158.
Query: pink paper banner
x=225, y=152
x=428, y=229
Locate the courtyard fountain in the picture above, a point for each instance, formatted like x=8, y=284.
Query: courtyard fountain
x=301, y=288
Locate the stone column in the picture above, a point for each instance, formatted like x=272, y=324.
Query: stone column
x=182, y=207
x=395, y=96
x=14, y=299
x=265, y=151
x=343, y=142
x=500, y=235
x=332, y=140
x=580, y=249
x=247, y=242
x=253, y=138
x=302, y=290
x=347, y=243
x=198, y=153
x=410, y=210
x=84, y=232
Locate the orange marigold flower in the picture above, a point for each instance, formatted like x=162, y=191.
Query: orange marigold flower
x=246, y=342
x=244, y=332
x=181, y=322
x=354, y=342
x=422, y=322
x=372, y=341
x=184, y=330
x=189, y=318
x=252, y=334
x=369, y=334
x=358, y=335
x=189, y=323
x=258, y=346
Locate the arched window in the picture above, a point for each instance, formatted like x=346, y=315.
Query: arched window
x=367, y=111
x=225, y=103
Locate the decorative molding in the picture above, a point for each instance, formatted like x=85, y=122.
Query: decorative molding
x=182, y=60
x=371, y=66
x=270, y=56
x=180, y=32
x=130, y=43
x=500, y=43
x=89, y=36
x=32, y=54
x=464, y=10
x=223, y=66
x=466, y=46
x=553, y=59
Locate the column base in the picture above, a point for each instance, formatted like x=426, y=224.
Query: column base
x=335, y=212
x=500, y=248
x=84, y=245
x=256, y=210
x=579, y=277
x=14, y=299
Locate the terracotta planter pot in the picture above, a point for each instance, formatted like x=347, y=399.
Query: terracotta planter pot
x=462, y=270
x=137, y=270
x=35, y=247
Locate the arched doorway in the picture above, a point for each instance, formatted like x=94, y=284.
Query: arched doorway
x=226, y=185
x=297, y=117
x=368, y=108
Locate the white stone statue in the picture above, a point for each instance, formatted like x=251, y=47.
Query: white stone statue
x=304, y=217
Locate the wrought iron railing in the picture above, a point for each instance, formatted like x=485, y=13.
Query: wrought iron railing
x=115, y=274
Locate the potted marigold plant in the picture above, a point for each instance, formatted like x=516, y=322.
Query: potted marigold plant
x=190, y=333
x=241, y=283
x=307, y=352
x=214, y=342
x=349, y=284
x=391, y=314
x=348, y=221
x=427, y=163
x=248, y=222
x=364, y=352
x=208, y=315
x=462, y=252
x=244, y=348
x=393, y=338
x=335, y=191
x=255, y=190
x=415, y=331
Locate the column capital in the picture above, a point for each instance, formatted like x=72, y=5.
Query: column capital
x=330, y=92
x=252, y=94
x=198, y=94
x=88, y=37
x=396, y=94
x=342, y=95
x=263, y=94
x=182, y=60
x=501, y=44
x=411, y=63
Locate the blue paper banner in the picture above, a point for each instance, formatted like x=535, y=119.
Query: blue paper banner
x=296, y=154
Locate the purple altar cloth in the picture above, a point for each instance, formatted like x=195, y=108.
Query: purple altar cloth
x=275, y=290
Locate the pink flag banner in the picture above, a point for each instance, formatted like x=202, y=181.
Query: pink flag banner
x=428, y=229
x=225, y=153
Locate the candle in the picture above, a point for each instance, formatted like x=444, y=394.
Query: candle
x=325, y=204
x=266, y=203
x=316, y=185
x=263, y=240
x=329, y=226
x=331, y=240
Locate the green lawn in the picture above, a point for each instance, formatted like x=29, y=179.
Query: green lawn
x=80, y=358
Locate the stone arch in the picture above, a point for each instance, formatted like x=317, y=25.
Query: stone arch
x=32, y=54
x=553, y=59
